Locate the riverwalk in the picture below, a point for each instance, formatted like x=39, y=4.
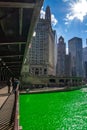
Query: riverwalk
x=44, y=90
x=7, y=107
x=3, y=95
x=51, y=89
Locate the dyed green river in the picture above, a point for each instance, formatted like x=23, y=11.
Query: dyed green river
x=54, y=111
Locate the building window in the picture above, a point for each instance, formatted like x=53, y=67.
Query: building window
x=52, y=80
x=45, y=71
x=36, y=71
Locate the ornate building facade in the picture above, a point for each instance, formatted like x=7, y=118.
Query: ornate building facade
x=42, y=51
x=61, y=52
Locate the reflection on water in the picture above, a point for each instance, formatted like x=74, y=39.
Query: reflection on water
x=54, y=111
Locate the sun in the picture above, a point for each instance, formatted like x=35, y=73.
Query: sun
x=78, y=9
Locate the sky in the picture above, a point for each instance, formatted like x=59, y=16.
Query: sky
x=69, y=18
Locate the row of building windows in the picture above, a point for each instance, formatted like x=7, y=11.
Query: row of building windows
x=38, y=71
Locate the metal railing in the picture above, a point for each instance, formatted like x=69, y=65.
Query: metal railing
x=16, y=118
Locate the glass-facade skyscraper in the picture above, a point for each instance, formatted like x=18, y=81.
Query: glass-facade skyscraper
x=85, y=61
x=75, y=51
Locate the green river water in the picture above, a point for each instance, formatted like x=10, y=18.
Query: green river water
x=54, y=111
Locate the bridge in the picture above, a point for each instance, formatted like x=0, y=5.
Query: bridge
x=17, y=22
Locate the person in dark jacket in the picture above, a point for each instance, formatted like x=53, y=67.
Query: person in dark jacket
x=15, y=84
x=9, y=83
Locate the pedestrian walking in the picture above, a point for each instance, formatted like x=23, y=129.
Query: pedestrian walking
x=15, y=87
x=15, y=84
x=9, y=83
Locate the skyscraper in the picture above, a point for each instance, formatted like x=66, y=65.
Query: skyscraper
x=75, y=51
x=85, y=54
x=67, y=65
x=61, y=52
x=41, y=55
x=85, y=61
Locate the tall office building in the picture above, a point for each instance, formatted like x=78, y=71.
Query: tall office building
x=85, y=54
x=85, y=61
x=41, y=55
x=67, y=65
x=61, y=52
x=85, y=69
x=75, y=51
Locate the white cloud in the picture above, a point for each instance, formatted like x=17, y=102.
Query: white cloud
x=67, y=50
x=77, y=10
x=42, y=14
x=66, y=23
x=84, y=31
x=65, y=0
x=54, y=21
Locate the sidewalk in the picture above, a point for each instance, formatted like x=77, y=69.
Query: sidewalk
x=3, y=95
